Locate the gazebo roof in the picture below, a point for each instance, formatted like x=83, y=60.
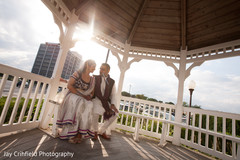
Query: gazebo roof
x=162, y=24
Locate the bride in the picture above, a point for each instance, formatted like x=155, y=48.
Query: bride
x=75, y=112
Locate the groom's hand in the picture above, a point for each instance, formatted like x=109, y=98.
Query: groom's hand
x=110, y=112
x=114, y=108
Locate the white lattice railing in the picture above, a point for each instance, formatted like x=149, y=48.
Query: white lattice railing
x=151, y=116
x=22, y=101
x=212, y=132
x=155, y=54
x=109, y=43
x=228, y=49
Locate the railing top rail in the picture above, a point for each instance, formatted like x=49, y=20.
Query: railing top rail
x=148, y=102
x=212, y=112
x=20, y=73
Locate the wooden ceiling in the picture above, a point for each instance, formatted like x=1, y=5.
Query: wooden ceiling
x=163, y=24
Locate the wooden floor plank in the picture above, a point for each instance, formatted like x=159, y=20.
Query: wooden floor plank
x=121, y=146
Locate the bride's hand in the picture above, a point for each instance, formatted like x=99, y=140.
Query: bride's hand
x=88, y=97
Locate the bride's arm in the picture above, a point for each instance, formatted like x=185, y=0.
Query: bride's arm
x=71, y=84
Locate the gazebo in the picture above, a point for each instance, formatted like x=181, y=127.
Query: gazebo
x=176, y=32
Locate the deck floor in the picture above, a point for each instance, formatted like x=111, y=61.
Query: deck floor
x=122, y=146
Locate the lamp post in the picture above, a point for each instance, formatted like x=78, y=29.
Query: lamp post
x=191, y=87
x=130, y=88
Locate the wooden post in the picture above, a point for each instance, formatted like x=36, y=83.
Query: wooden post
x=178, y=116
x=163, y=136
x=66, y=43
x=238, y=151
x=136, y=132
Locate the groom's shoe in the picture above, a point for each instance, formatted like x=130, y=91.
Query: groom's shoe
x=105, y=136
x=95, y=136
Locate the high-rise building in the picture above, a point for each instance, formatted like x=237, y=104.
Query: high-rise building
x=47, y=57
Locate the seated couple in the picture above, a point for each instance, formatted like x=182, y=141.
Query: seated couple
x=87, y=98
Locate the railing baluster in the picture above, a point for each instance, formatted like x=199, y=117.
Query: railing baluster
x=193, y=120
x=188, y=118
x=25, y=102
x=238, y=151
x=215, y=137
x=224, y=145
x=7, y=103
x=3, y=83
x=129, y=106
x=39, y=102
x=224, y=125
x=214, y=142
x=192, y=136
x=133, y=111
x=147, y=118
x=164, y=113
x=121, y=122
x=136, y=133
x=163, y=136
x=207, y=122
x=233, y=127
x=33, y=102
x=170, y=116
x=153, y=116
x=124, y=104
x=159, y=110
x=142, y=119
x=14, y=112
x=199, y=126
x=233, y=149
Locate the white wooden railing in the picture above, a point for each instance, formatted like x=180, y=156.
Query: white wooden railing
x=150, y=115
x=32, y=89
x=212, y=132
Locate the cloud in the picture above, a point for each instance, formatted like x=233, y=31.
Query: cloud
x=18, y=59
x=153, y=79
x=215, y=90
x=22, y=28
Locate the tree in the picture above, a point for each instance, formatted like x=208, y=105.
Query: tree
x=126, y=94
x=196, y=106
x=141, y=96
x=169, y=103
x=152, y=99
x=185, y=104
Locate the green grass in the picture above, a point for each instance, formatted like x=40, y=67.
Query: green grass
x=10, y=109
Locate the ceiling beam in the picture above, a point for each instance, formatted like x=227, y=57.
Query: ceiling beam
x=183, y=23
x=139, y=15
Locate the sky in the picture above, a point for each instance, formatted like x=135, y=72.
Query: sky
x=25, y=24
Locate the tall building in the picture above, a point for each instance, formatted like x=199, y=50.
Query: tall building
x=47, y=57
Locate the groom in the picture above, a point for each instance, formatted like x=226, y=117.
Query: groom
x=104, y=102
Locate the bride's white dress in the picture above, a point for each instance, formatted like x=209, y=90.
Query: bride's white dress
x=75, y=112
